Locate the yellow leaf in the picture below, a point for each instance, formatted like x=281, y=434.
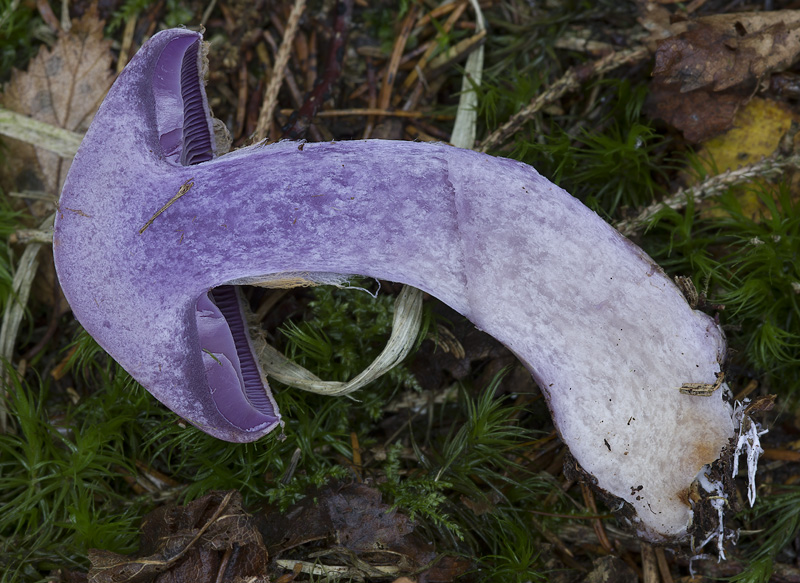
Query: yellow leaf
x=756, y=133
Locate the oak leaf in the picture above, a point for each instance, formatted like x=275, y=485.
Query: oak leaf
x=63, y=86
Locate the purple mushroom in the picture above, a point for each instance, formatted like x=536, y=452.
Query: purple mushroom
x=154, y=231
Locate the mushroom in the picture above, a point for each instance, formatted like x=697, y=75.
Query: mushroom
x=154, y=230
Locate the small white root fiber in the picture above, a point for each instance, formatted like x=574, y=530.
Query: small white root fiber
x=749, y=440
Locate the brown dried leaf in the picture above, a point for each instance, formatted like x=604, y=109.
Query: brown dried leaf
x=350, y=518
x=63, y=86
x=209, y=538
x=700, y=115
x=715, y=64
x=720, y=51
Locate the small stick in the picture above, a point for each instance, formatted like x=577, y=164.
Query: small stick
x=207, y=12
x=552, y=538
x=127, y=41
x=311, y=71
x=361, y=111
x=663, y=566
x=300, y=120
x=394, y=62
x=588, y=498
x=457, y=51
x=275, y=81
x=186, y=187
x=241, y=100
x=301, y=56
x=571, y=80
x=47, y=14
x=423, y=60
x=407, y=58
x=358, y=465
x=372, y=99
x=438, y=12
x=649, y=564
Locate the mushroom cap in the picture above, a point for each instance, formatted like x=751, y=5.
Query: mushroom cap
x=606, y=334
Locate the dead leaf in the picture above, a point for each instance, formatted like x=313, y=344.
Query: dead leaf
x=611, y=570
x=729, y=49
x=757, y=131
x=210, y=539
x=700, y=115
x=352, y=525
x=713, y=65
x=63, y=86
x=756, y=134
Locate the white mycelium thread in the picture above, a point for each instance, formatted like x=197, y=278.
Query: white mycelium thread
x=750, y=442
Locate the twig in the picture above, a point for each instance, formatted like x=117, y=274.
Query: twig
x=207, y=12
x=241, y=99
x=437, y=12
x=423, y=60
x=599, y=530
x=362, y=111
x=66, y=22
x=372, y=97
x=186, y=187
x=571, y=80
x=47, y=14
x=405, y=59
x=663, y=566
x=127, y=41
x=358, y=465
x=26, y=236
x=767, y=168
x=301, y=119
x=275, y=81
x=223, y=505
x=456, y=52
x=311, y=69
x=649, y=564
x=551, y=538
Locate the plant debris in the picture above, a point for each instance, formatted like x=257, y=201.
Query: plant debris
x=210, y=539
x=713, y=65
x=63, y=87
x=349, y=525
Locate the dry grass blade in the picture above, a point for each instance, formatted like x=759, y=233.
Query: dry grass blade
x=405, y=328
x=15, y=309
x=61, y=142
x=464, y=130
x=423, y=60
x=385, y=96
x=649, y=565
